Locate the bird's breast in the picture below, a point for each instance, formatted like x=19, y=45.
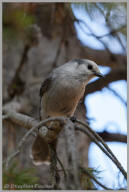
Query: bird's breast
x=62, y=98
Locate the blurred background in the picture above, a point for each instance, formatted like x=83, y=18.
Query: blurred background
x=38, y=37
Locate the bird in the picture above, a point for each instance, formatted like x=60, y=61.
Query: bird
x=60, y=94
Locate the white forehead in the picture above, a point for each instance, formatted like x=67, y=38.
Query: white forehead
x=84, y=61
x=90, y=62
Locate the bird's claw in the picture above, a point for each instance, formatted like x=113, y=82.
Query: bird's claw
x=73, y=119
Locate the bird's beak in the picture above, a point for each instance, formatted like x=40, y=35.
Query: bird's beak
x=98, y=74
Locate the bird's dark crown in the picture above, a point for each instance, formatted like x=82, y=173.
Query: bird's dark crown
x=79, y=61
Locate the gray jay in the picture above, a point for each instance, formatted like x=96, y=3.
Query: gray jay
x=60, y=94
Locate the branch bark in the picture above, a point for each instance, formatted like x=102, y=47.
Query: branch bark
x=72, y=181
x=117, y=95
x=93, y=178
x=104, y=147
x=99, y=84
x=113, y=137
x=27, y=122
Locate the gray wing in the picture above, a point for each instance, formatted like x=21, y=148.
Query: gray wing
x=44, y=88
x=45, y=85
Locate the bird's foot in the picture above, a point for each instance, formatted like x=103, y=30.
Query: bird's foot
x=73, y=119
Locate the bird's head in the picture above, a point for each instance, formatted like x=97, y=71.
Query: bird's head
x=81, y=69
x=87, y=69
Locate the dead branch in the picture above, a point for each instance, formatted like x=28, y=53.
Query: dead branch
x=17, y=85
x=112, y=31
x=33, y=125
x=115, y=160
x=92, y=177
x=55, y=178
x=34, y=128
x=113, y=137
x=72, y=181
x=93, y=34
x=98, y=85
x=62, y=166
x=20, y=119
x=28, y=123
x=117, y=95
x=103, y=146
x=58, y=52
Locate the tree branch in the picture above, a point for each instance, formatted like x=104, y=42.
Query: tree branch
x=72, y=181
x=28, y=123
x=93, y=34
x=44, y=133
x=94, y=136
x=16, y=86
x=99, y=84
x=93, y=178
x=113, y=137
x=55, y=178
x=101, y=57
x=106, y=151
x=117, y=95
x=32, y=125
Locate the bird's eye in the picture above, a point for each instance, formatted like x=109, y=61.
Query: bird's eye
x=90, y=67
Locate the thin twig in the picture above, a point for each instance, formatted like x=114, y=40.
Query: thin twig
x=113, y=31
x=58, y=53
x=22, y=141
x=53, y=167
x=92, y=177
x=92, y=33
x=106, y=147
x=61, y=164
x=94, y=140
x=16, y=79
x=117, y=95
x=10, y=157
